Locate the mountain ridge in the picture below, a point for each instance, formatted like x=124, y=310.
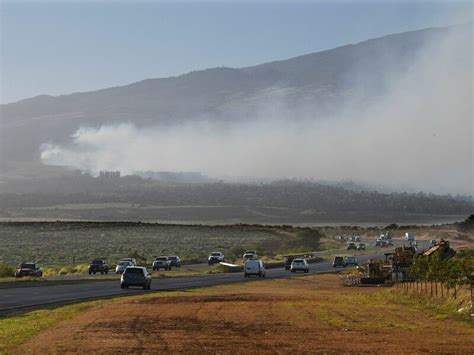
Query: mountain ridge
x=319, y=82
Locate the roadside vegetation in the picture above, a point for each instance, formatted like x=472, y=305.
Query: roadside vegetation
x=441, y=284
x=7, y=270
x=66, y=248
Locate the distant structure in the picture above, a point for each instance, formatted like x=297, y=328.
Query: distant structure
x=184, y=176
x=109, y=174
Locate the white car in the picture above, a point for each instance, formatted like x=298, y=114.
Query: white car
x=249, y=255
x=122, y=265
x=409, y=237
x=254, y=267
x=132, y=261
x=215, y=257
x=299, y=265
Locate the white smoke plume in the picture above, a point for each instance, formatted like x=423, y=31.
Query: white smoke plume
x=419, y=135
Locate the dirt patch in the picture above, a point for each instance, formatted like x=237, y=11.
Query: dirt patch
x=311, y=314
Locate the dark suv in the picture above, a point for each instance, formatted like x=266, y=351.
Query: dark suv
x=98, y=265
x=136, y=276
x=28, y=269
x=175, y=261
x=351, y=246
x=338, y=261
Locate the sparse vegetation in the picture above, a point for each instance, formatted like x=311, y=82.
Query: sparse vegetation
x=69, y=247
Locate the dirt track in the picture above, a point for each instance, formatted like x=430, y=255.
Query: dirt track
x=312, y=314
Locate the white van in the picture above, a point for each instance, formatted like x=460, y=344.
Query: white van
x=254, y=267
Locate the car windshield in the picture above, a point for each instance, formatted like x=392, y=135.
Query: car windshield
x=123, y=263
x=162, y=259
x=338, y=258
x=133, y=270
x=298, y=260
x=27, y=266
x=173, y=257
x=96, y=262
x=215, y=254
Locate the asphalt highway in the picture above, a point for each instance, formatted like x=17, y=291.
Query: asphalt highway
x=18, y=300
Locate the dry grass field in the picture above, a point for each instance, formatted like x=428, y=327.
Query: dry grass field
x=304, y=315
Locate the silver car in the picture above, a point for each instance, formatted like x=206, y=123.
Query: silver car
x=299, y=265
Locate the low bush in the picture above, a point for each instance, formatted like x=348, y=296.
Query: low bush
x=7, y=270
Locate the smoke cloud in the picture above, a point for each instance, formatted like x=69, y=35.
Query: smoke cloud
x=417, y=136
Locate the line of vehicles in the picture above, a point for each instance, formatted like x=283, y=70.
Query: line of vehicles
x=134, y=275
x=253, y=266
x=384, y=240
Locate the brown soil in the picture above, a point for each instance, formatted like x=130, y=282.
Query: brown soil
x=304, y=315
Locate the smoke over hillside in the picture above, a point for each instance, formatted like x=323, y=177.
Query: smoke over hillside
x=416, y=133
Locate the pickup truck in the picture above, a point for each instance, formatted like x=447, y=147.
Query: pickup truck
x=98, y=265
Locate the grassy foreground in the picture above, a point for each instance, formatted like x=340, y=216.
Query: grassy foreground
x=311, y=313
x=16, y=330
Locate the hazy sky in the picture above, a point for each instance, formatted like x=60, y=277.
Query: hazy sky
x=63, y=47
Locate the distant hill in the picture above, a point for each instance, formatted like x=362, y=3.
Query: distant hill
x=82, y=197
x=321, y=81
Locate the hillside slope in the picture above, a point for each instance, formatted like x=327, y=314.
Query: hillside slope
x=319, y=82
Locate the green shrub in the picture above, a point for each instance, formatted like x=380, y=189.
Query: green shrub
x=467, y=225
x=7, y=270
x=306, y=240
